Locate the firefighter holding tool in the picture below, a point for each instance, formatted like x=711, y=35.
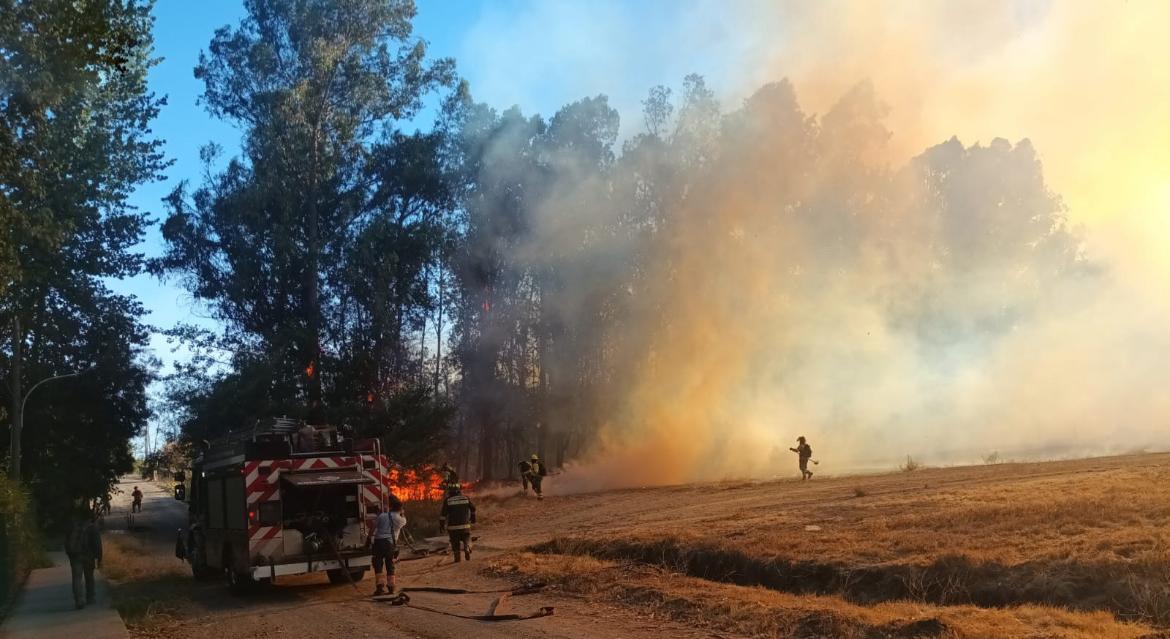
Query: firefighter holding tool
x=456, y=517
x=804, y=453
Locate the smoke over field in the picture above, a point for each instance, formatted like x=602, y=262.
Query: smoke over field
x=850, y=271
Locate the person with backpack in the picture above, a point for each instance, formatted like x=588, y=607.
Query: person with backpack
x=83, y=546
x=804, y=453
x=136, y=505
x=533, y=472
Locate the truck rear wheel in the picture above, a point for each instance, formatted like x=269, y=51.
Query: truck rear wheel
x=197, y=557
x=238, y=582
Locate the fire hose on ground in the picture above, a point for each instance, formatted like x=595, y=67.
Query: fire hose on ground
x=401, y=598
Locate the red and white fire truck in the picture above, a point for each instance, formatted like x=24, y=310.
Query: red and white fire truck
x=283, y=499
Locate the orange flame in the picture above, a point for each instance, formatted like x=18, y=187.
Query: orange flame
x=421, y=484
x=310, y=369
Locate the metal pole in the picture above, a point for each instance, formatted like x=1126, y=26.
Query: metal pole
x=18, y=418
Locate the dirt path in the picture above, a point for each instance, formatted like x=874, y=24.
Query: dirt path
x=308, y=606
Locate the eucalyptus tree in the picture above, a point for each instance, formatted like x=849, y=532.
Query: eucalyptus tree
x=265, y=243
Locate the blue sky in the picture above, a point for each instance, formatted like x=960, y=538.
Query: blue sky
x=538, y=55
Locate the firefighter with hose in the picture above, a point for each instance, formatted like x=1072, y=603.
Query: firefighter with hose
x=383, y=540
x=456, y=517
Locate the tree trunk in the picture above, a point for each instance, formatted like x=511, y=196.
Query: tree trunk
x=439, y=332
x=17, y=396
x=312, y=343
x=487, y=441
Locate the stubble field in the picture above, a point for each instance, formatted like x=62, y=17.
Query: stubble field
x=1057, y=549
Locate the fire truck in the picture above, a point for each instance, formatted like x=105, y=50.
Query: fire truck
x=283, y=498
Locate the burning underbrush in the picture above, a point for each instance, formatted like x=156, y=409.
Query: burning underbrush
x=416, y=484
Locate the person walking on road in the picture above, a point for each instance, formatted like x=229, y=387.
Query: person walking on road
x=83, y=546
x=456, y=517
x=136, y=505
x=804, y=453
x=384, y=542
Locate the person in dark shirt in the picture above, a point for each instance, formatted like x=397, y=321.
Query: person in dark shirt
x=456, y=517
x=83, y=545
x=804, y=453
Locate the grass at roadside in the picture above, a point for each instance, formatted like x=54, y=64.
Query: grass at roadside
x=760, y=612
x=145, y=587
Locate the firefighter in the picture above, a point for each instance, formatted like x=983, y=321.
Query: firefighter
x=83, y=546
x=533, y=472
x=136, y=505
x=383, y=541
x=803, y=452
x=450, y=477
x=456, y=517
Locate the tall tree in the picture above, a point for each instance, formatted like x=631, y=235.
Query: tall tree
x=268, y=242
x=74, y=142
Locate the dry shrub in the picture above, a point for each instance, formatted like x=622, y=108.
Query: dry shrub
x=126, y=558
x=759, y=612
x=143, y=612
x=422, y=517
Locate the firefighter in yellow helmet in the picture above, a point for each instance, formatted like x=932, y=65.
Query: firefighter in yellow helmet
x=532, y=472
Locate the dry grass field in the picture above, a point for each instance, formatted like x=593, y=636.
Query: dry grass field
x=1057, y=549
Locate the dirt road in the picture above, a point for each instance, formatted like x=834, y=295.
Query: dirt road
x=308, y=606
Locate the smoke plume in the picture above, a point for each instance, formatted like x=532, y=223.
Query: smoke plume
x=854, y=251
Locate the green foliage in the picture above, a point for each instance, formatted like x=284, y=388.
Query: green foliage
x=20, y=549
x=75, y=141
x=317, y=248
